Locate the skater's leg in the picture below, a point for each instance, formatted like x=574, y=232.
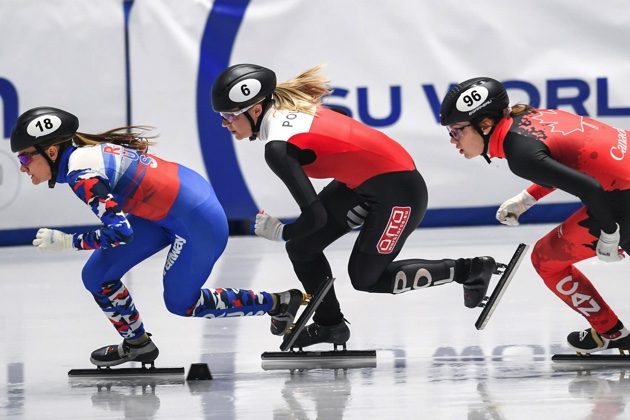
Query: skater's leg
x=104, y=269
x=345, y=211
x=376, y=274
x=554, y=256
x=607, y=330
x=379, y=274
x=397, y=210
x=391, y=220
x=385, y=228
x=101, y=276
x=196, y=244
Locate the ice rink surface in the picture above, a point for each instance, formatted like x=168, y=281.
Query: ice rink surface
x=431, y=361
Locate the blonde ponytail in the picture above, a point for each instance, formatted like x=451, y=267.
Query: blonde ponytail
x=304, y=92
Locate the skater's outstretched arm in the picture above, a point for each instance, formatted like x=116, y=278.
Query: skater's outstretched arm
x=286, y=161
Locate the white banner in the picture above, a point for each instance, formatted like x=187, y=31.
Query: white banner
x=65, y=54
x=391, y=63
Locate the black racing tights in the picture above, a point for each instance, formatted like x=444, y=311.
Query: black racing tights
x=391, y=207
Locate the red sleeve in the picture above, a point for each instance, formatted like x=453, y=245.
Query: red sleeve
x=538, y=191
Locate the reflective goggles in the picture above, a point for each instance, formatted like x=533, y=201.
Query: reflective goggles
x=230, y=117
x=27, y=157
x=457, y=132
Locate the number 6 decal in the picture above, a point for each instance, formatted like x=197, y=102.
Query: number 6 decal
x=244, y=90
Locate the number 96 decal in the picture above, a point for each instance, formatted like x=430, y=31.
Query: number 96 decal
x=471, y=98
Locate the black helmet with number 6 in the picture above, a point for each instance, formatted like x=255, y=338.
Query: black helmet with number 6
x=43, y=127
x=474, y=99
x=240, y=86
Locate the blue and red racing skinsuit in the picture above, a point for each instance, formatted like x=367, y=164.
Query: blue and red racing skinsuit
x=586, y=158
x=146, y=204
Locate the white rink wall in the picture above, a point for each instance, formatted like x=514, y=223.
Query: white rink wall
x=115, y=62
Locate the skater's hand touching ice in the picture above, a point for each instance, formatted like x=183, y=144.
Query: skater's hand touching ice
x=51, y=239
x=268, y=227
x=509, y=212
x=608, y=246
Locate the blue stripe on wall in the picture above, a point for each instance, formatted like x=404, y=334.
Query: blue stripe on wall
x=216, y=142
x=127, y=5
x=473, y=216
x=449, y=217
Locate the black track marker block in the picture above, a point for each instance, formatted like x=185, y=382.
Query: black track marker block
x=199, y=372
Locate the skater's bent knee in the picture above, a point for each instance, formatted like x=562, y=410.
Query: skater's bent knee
x=300, y=250
x=92, y=282
x=543, y=261
x=177, y=308
x=362, y=285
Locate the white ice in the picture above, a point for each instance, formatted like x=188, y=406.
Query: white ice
x=431, y=361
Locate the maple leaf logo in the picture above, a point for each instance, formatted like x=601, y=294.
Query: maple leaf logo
x=559, y=122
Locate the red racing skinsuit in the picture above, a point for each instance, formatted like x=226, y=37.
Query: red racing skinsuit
x=586, y=158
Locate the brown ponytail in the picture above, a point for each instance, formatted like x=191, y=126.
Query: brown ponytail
x=134, y=137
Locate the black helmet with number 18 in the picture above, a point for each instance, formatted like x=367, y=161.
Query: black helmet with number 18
x=41, y=128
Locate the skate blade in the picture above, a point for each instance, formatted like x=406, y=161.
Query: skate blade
x=490, y=304
x=125, y=372
x=586, y=361
x=304, y=360
x=294, y=330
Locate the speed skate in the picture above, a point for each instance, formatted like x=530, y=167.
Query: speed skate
x=295, y=358
x=147, y=369
x=590, y=360
x=490, y=303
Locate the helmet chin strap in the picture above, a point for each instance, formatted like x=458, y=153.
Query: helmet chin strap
x=486, y=141
x=54, y=165
x=266, y=103
x=53, y=168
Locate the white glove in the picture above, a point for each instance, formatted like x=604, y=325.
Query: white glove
x=511, y=209
x=51, y=239
x=608, y=246
x=268, y=227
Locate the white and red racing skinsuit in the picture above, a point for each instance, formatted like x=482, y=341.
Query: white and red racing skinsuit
x=375, y=185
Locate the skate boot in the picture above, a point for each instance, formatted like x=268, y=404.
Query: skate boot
x=590, y=341
x=116, y=354
x=288, y=304
x=314, y=334
x=476, y=284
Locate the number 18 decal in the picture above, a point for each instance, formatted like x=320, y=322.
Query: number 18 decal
x=43, y=125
